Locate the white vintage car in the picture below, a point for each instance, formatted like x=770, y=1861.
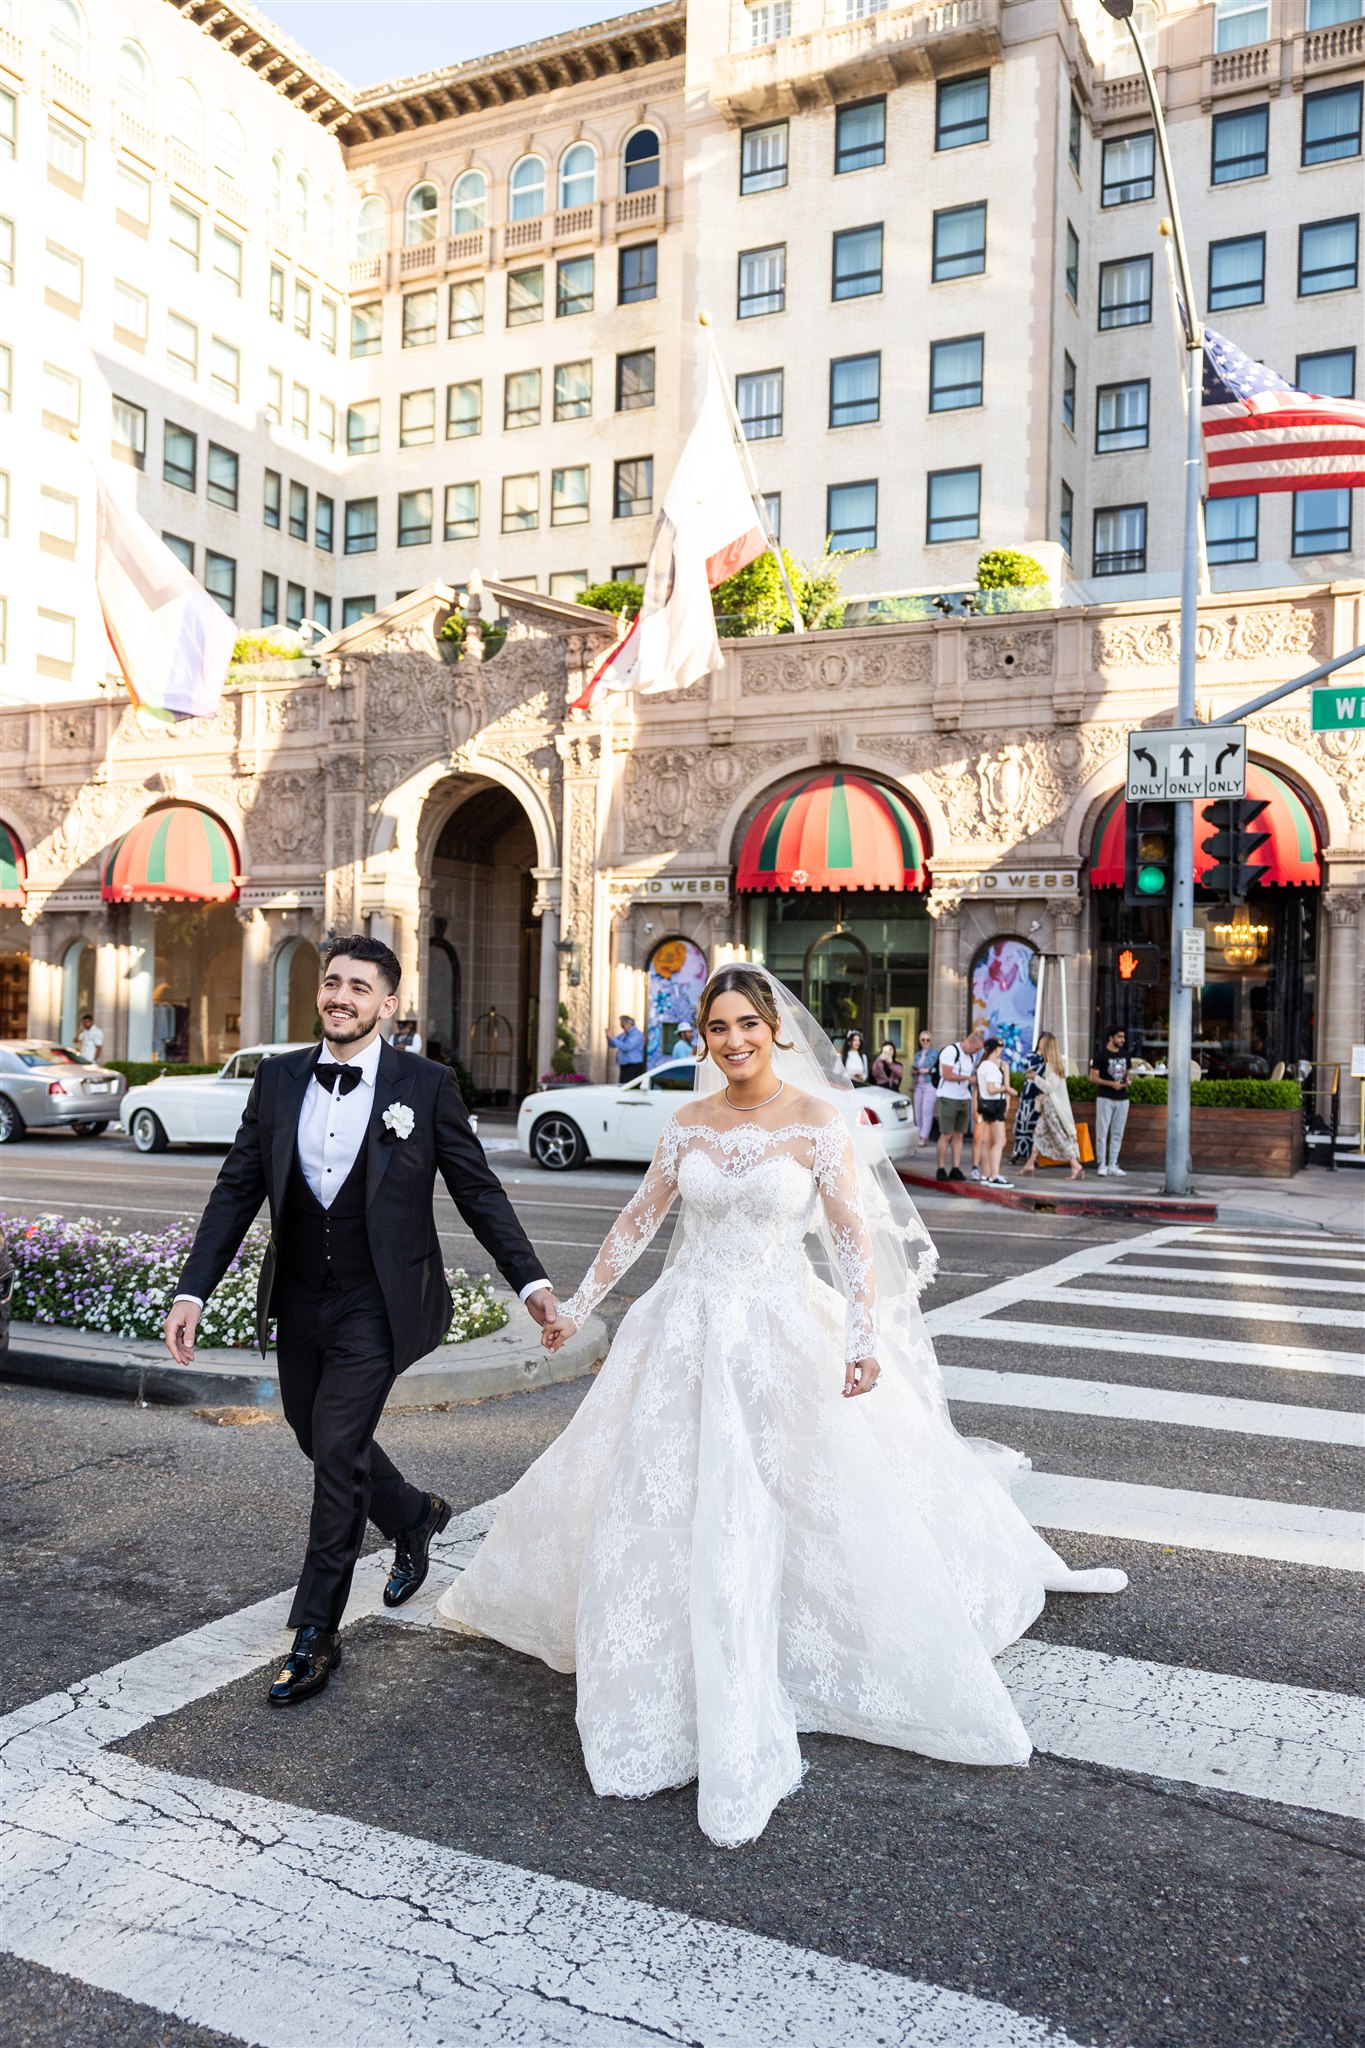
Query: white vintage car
x=194, y=1109
x=563, y=1127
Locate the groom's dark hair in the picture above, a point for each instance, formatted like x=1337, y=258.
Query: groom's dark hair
x=358, y=947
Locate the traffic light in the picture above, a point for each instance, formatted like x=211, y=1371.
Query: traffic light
x=1149, y=854
x=1137, y=966
x=1231, y=844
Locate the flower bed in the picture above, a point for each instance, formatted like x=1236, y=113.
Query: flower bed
x=79, y=1275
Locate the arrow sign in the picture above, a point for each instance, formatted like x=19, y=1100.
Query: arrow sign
x=1229, y=753
x=1186, y=761
x=1187, y=764
x=1141, y=754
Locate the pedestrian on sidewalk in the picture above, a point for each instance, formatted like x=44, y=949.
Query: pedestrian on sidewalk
x=1109, y=1072
x=887, y=1070
x=1053, y=1130
x=993, y=1096
x=629, y=1047
x=855, y=1059
x=924, y=1067
x=684, y=1043
x=89, y=1040
x=406, y=1036
x=955, y=1066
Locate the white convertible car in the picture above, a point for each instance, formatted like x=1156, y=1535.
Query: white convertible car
x=194, y=1109
x=563, y=1127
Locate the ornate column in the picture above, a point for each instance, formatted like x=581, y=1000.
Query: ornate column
x=1067, y=1020
x=545, y=906
x=947, y=1013
x=1342, y=1022
x=258, y=1021
x=586, y=999
x=44, y=978
x=344, y=842
x=108, y=985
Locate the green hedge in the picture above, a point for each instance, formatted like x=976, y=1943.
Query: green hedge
x=135, y=1072
x=1203, y=1094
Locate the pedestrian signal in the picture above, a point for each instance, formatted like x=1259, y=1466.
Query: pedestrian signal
x=1137, y=966
x=1149, y=853
x=1231, y=845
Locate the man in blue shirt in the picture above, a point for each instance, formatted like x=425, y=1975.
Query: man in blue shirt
x=629, y=1047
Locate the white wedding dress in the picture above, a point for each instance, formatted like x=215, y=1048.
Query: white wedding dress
x=725, y=1548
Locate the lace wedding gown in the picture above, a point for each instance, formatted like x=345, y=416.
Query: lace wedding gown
x=724, y=1547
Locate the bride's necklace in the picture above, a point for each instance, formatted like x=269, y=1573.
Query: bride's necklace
x=752, y=1105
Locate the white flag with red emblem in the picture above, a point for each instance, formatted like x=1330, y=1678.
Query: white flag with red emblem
x=707, y=529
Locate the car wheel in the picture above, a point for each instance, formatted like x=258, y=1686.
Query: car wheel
x=88, y=1127
x=11, y=1123
x=147, y=1132
x=557, y=1144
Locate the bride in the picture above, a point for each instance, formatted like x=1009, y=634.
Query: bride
x=730, y=1542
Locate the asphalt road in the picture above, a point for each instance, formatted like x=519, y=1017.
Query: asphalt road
x=1159, y=1876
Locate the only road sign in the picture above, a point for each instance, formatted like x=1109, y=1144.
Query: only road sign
x=1194, y=761
x=1338, y=710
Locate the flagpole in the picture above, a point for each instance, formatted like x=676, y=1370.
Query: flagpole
x=742, y=444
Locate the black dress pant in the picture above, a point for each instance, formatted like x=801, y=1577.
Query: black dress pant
x=335, y=1353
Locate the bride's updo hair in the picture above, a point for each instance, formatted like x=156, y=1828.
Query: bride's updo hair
x=755, y=989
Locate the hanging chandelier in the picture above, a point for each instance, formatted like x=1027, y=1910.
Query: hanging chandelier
x=1241, y=942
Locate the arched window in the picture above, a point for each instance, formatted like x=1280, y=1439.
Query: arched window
x=641, y=159
x=66, y=32
x=1122, y=59
x=469, y=203
x=578, y=175
x=134, y=83
x=528, y=189
x=229, y=148
x=303, y=206
x=277, y=190
x=185, y=117
x=369, y=228
x=419, y=215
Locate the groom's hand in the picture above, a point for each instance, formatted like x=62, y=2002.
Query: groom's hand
x=179, y=1328
x=543, y=1305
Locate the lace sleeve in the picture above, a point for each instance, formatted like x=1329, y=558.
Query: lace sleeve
x=633, y=1228
x=836, y=1177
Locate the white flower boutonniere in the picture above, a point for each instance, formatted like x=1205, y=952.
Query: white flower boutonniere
x=399, y=1119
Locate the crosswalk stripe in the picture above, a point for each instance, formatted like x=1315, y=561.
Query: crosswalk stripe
x=1206, y=1276
x=1216, y=1253
x=1347, y=1245
x=1185, y=1520
x=1156, y=1344
x=1119, y=1403
x=1183, y=1305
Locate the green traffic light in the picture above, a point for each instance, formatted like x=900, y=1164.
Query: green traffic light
x=1151, y=881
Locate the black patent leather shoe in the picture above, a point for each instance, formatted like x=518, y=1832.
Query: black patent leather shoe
x=412, y=1553
x=307, y=1668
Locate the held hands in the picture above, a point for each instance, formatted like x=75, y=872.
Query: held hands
x=542, y=1305
x=861, y=1376
x=557, y=1331
x=179, y=1328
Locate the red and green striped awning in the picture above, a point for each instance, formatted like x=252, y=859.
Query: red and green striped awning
x=177, y=855
x=13, y=868
x=1289, y=856
x=834, y=831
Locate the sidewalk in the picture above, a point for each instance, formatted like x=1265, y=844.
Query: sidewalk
x=1313, y=1200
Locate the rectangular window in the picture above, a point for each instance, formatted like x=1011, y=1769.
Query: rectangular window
x=521, y=399
x=1331, y=124
x=4, y=504
x=56, y=640
x=758, y=401
x=65, y=154
x=327, y=424
x=272, y=499
x=362, y=526
x=855, y=390
x=637, y=274
x=227, y=262
x=1128, y=169
x=851, y=516
x=6, y=250
x=1120, y=540
x=184, y=236
x=6, y=377
x=295, y=604
x=1328, y=373
x=525, y=296
x=1239, y=23
x=1068, y=393
x=628, y=572
x=1236, y=272
x=298, y=511
x=417, y=419
x=1230, y=529
x=270, y=598
x=1328, y=13
x=462, y=512
x=130, y=311
x=857, y=262
x=573, y=390
x=419, y=319
x=959, y=241
x=225, y=368
x=954, y=505
x=1329, y=256
x=327, y=325
x=220, y=579
x=1066, y=517
x=1241, y=145
x=322, y=610
x=569, y=496
x=221, y=477
x=128, y=432
x=635, y=380
x=366, y=328
x=182, y=345
x=573, y=286
x=1126, y=292
x=955, y=372
x=362, y=427
x=303, y=309
x=9, y=124
x=1322, y=522
x=859, y=136
x=772, y=513
x=964, y=111
x=276, y=292
x=64, y=278
x=57, y=518
x=763, y=157
x=61, y=397
x=354, y=609
x=633, y=488
x=274, y=397
x=132, y=197
x=1073, y=135
x=324, y=512
x=762, y=281
x=1072, y=271
x=182, y=549
x=464, y=410
x=180, y=457
x=299, y=409
x=414, y=518
x=1121, y=416
x=466, y=308
x=567, y=583
x=520, y=503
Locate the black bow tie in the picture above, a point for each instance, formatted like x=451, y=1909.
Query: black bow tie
x=330, y=1074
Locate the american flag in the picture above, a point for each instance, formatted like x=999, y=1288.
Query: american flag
x=1263, y=434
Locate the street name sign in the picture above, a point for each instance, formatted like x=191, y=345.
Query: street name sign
x=1184, y=762
x=1192, y=967
x=1338, y=710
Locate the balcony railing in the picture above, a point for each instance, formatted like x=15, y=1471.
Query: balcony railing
x=366, y=270
x=468, y=251
x=187, y=170
x=137, y=136
x=1326, y=49
x=1236, y=70
x=577, y=224
x=11, y=52
x=68, y=89
x=639, y=209
x=233, y=201
x=915, y=40
x=417, y=257
x=523, y=234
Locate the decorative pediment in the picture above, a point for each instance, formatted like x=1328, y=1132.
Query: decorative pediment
x=411, y=624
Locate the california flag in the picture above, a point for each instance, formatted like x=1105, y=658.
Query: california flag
x=707, y=529
x=172, y=642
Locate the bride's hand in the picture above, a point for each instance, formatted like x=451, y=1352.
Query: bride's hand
x=861, y=1376
x=557, y=1332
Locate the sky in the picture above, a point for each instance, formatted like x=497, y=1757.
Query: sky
x=369, y=41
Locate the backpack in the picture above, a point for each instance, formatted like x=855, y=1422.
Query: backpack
x=935, y=1075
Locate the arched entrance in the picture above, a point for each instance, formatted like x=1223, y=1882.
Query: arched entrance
x=177, y=873
x=78, y=987
x=483, y=952
x=294, y=997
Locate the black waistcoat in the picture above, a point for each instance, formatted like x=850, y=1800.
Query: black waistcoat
x=317, y=1240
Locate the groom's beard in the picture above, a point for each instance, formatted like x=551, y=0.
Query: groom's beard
x=344, y=1030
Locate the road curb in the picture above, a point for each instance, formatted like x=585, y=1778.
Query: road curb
x=511, y=1361
x=1051, y=1201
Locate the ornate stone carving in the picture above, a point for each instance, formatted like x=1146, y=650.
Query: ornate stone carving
x=1269, y=630
x=345, y=771
x=398, y=698
x=786, y=668
x=1342, y=907
x=292, y=711
x=1016, y=651
x=287, y=816
x=90, y=814
x=675, y=797
x=694, y=693
x=13, y=734
x=71, y=729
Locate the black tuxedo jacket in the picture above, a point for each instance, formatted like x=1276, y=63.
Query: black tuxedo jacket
x=400, y=1183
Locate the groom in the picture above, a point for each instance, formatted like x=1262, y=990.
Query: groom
x=345, y=1141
